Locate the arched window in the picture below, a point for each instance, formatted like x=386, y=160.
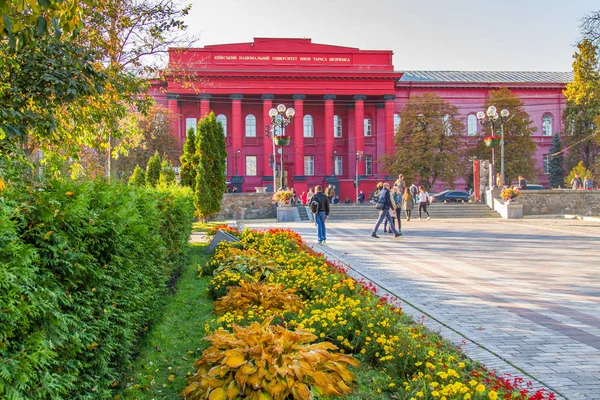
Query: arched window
x=250, y=125
x=308, y=126
x=368, y=127
x=472, y=125
x=337, y=126
x=447, y=125
x=397, y=121
x=547, y=125
x=222, y=119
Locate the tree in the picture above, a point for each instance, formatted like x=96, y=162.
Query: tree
x=167, y=175
x=590, y=27
x=153, y=169
x=188, y=166
x=210, y=173
x=138, y=178
x=429, y=142
x=578, y=169
x=555, y=162
x=583, y=106
x=519, y=147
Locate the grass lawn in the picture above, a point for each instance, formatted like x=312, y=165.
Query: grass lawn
x=174, y=340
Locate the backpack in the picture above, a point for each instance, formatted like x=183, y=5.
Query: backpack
x=314, y=205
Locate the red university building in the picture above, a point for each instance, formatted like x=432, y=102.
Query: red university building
x=347, y=102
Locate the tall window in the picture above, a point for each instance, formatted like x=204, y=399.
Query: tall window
x=447, y=125
x=547, y=125
x=309, y=165
x=368, y=165
x=546, y=164
x=251, y=166
x=397, y=121
x=337, y=126
x=250, y=125
x=472, y=125
x=368, y=127
x=222, y=119
x=190, y=123
x=308, y=126
x=338, y=165
x=276, y=128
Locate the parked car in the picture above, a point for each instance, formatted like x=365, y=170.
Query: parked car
x=450, y=195
x=535, y=187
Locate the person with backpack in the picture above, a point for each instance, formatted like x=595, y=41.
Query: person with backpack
x=319, y=206
x=384, y=204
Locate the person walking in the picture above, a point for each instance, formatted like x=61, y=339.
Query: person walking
x=400, y=184
x=397, y=197
x=322, y=214
x=407, y=203
x=423, y=201
x=414, y=190
x=309, y=195
x=576, y=183
x=393, y=209
x=384, y=203
x=522, y=183
x=587, y=183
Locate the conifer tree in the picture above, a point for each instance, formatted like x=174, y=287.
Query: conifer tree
x=138, y=178
x=210, y=173
x=578, y=169
x=188, y=166
x=153, y=170
x=167, y=175
x=555, y=163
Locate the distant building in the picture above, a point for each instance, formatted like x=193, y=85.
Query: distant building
x=347, y=101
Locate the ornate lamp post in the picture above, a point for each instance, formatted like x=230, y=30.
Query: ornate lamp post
x=492, y=141
x=333, y=163
x=237, y=154
x=281, y=117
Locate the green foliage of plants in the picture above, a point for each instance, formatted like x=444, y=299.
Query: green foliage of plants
x=555, y=162
x=578, y=169
x=153, y=170
x=210, y=172
x=167, y=350
x=138, y=178
x=188, y=166
x=167, y=175
x=83, y=266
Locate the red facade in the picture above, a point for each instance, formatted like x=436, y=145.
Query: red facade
x=328, y=86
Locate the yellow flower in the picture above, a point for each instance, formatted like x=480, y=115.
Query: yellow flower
x=419, y=394
x=473, y=382
x=493, y=395
x=393, y=384
x=467, y=396
x=435, y=393
x=480, y=388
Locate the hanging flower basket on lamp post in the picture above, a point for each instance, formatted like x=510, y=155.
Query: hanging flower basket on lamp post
x=492, y=141
x=282, y=140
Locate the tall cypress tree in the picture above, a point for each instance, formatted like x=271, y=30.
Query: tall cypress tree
x=555, y=163
x=188, y=167
x=167, y=175
x=138, y=178
x=210, y=173
x=153, y=170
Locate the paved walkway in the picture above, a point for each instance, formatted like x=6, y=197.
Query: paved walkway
x=522, y=297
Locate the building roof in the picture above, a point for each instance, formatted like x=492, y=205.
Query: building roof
x=487, y=76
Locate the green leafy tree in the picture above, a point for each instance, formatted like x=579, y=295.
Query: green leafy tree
x=555, y=162
x=519, y=147
x=581, y=170
x=429, y=142
x=167, y=175
x=188, y=165
x=583, y=106
x=210, y=173
x=153, y=169
x=138, y=178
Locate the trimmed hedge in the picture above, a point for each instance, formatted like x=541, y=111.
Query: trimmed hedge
x=82, y=267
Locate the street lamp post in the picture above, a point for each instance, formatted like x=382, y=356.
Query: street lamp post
x=493, y=117
x=237, y=154
x=270, y=129
x=281, y=117
x=333, y=163
x=359, y=155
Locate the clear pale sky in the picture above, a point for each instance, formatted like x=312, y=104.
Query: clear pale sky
x=470, y=35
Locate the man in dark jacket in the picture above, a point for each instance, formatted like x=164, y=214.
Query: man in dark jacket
x=384, y=204
x=322, y=214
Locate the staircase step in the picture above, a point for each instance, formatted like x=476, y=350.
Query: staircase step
x=436, y=210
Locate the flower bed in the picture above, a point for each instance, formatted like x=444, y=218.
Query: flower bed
x=324, y=301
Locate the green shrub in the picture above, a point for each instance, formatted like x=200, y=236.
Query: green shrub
x=82, y=267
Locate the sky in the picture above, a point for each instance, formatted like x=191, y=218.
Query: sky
x=445, y=35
